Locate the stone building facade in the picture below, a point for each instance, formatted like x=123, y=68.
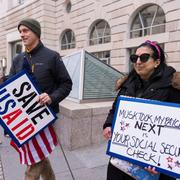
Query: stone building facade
x=110, y=29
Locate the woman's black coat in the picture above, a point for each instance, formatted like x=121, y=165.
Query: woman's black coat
x=158, y=87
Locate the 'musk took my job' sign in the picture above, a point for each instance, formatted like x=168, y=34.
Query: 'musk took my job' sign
x=146, y=133
x=20, y=113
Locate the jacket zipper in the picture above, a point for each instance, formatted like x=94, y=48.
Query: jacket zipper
x=32, y=65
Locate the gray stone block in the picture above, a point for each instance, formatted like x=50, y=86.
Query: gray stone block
x=81, y=125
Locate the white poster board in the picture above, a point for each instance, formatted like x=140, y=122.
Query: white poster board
x=21, y=115
x=147, y=133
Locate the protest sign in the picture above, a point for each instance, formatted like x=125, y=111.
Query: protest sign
x=147, y=132
x=21, y=115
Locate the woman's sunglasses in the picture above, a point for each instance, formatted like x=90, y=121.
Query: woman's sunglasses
x=143, y=57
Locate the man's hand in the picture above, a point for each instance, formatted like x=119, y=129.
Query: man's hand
x=107, y=133
x=44, y=98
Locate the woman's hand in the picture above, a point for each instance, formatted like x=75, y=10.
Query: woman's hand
x=151, y=170
x=107, y=133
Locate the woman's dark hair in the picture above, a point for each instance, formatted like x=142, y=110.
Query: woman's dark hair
x=158, y=52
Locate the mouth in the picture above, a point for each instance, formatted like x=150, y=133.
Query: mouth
x=139, y=67
x=24, y=39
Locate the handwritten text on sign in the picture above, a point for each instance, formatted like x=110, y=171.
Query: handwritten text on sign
x=147, y=133
x=21, y=115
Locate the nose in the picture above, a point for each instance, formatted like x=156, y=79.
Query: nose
x=21, y=33
x=138, y=60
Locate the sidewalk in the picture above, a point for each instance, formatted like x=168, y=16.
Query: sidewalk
x=88, y=163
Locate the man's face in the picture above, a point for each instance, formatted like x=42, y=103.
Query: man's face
x=29, y=38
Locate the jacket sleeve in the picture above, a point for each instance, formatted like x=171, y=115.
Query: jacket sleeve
x=118, y=85
x=174, y=95
x=62, y=80
x=109, y=119
x=12, y=70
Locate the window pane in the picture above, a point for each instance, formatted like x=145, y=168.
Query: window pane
x=16, y=48
x=64, y=40
x=103, y=56
x=147, y=15
x=137, y=33
x=93, y=33
x=137, y=23
x=100, y=28
x=136, y=29
x=107, y=39
x=160, y=18
x=158, y=29
x=147, y=31
x=69, y=36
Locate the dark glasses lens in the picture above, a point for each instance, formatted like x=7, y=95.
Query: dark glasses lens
x=143, y=57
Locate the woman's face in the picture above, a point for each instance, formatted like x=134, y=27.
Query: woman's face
x=145, y=69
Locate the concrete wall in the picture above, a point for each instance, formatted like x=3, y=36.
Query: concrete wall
x=81, y=125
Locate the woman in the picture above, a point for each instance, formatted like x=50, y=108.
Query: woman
x=150, y=78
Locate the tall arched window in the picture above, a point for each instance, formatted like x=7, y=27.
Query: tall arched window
x=68, y=40
x=150, y=20
x=100, y=33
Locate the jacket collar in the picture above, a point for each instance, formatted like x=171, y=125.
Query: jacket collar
x=163, y=73
x=33, y=51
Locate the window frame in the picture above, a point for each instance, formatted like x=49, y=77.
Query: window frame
x=99, y=39
x=146, y=30
x=68, y=44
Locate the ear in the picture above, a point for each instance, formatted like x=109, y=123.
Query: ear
x=157, y=63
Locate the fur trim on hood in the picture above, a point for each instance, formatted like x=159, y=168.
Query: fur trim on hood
x=176, y=80
x=120, y=81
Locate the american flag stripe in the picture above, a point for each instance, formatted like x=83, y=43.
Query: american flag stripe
x=42, y=145
x=53, y=135
x=22, y=155
x=31, y=159
x=25, y=154
x=38, y=147
x=45, y=141
x=34, y=152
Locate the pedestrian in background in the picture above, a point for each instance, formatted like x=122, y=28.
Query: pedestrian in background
x=50, y=74
x=150, y=78
x=1, y=81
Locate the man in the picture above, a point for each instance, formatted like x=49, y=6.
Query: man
x=54, y=81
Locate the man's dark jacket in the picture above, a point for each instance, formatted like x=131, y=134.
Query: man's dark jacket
x=48, y=70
